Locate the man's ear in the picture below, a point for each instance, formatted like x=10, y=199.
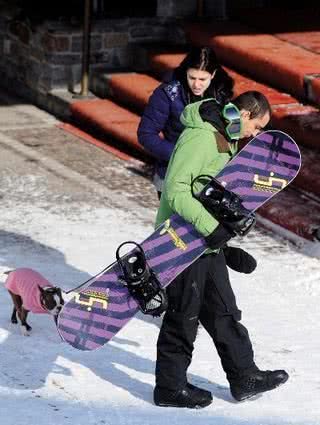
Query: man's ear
x=245, y=114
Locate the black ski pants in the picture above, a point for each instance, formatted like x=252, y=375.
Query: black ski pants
x=202, y=293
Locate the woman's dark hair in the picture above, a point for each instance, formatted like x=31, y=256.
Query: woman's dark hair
x=254, y=102
x=205, y=59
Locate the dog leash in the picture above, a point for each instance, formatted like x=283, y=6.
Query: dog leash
x=83, y=284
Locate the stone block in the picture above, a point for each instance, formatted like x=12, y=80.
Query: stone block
x=63, y=59
x=96, y=43
x=121, y=58
x=116, y=39
x=73, y=76
x=53, y=43
x=104, y=56
x=21, y=31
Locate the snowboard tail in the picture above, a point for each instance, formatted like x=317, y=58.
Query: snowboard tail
x=97, y=313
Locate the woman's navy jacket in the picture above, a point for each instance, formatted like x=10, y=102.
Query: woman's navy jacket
x=160, y=124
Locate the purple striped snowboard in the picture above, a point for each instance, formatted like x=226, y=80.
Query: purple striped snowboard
x=95, y=313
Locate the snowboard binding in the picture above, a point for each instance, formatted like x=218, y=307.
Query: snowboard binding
x=224, y=205
x=141, y=281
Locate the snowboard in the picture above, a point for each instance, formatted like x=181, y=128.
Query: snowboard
x=98, y=310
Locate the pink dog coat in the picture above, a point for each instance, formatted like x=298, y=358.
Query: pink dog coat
x=24, y=282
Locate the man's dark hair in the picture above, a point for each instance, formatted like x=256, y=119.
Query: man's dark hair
x=254, y=102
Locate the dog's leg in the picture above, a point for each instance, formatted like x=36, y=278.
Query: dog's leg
x=22, y=314
x=17, y=303
x=26, y=329
x=14, y=319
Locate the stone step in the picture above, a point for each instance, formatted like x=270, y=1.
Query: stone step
x=297, y=212
x=296, y=26
x=134, y=89
x=130, y=92
x=130, y=89
x=302, y=121
x=107, y=117
x=264, y=56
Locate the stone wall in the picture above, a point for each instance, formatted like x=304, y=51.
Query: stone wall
x=50, y=56
x=35, y=60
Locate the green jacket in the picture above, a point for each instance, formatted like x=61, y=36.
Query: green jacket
x=200, y=149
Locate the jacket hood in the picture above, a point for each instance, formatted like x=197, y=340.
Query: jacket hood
x=191, y=117
x=205, y=114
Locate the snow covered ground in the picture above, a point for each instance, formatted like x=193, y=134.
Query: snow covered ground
x=68, y=233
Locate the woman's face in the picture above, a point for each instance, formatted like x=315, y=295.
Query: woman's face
x=198, y=81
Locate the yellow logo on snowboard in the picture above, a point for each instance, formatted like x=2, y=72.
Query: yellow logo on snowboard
x=174, y=236
x=90, y=297
x=269, y=184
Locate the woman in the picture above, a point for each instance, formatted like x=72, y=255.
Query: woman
x=199, y=76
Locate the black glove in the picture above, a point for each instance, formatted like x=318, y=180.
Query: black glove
x=239, y=260
x=219, y=237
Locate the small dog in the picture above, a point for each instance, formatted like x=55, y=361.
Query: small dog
x=30, y=291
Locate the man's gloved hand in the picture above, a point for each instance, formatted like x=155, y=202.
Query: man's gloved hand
x=219, y=237
x=239, y=260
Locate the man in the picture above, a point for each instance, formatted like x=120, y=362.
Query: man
x=202, y=293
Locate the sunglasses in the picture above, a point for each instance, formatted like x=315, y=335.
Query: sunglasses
x=232, y=114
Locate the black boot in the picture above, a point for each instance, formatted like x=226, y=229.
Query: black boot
x=199, y=390
x=257, y=382
x=190, y=396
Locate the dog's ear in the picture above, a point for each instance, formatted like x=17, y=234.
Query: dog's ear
x=59, y=293
x=54, y=290
x=58, y=290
